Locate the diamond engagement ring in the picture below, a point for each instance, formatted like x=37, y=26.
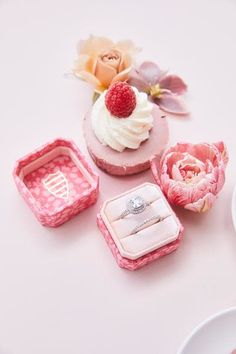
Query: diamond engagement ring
x=134, y=205
x=147, y=222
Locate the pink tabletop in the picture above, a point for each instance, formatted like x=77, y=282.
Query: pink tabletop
x=61, y=290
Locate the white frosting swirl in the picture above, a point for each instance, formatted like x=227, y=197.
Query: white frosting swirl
x=121, y=133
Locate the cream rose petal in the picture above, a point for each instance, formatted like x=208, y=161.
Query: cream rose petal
x=126, y=62
x=88, y=77
x=81, y=62
x=92, y=54
x=127, y=46
x=122, y=76
x=94, y=45
x=105, y=73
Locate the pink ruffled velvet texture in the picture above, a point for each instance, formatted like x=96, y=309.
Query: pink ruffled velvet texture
x=191, y=175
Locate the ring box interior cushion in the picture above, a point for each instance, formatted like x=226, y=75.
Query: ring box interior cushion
x=136, y=236
x=56, y=182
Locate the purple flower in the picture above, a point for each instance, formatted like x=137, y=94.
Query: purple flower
x=163, y=89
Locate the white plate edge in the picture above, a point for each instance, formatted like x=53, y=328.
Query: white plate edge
x=203, y=324
x=233, y=202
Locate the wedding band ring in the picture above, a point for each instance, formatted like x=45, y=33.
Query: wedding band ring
x=134, y=205
x=138, y=228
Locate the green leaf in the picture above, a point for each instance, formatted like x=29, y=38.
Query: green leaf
x=96, y=95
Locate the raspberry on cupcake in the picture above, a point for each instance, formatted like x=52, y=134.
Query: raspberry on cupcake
x=124, y=130
x=120, y=100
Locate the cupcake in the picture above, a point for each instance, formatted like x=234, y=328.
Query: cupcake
x=124, y=130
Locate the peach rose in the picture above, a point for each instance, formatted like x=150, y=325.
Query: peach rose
x=102, y=62
x=191, y=175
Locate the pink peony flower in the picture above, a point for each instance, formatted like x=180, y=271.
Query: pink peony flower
x=102, y=62
x=163, y=89
x=192, y=175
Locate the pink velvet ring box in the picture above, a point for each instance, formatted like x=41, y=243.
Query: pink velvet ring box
x=137, y=239
x=56, y=182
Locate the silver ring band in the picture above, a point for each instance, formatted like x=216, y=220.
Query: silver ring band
x=156, y=219
x=134, y=205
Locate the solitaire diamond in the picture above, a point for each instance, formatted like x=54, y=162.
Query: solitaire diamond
x=136, y=205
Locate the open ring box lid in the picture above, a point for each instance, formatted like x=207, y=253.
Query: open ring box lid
x=153, y=240
x=56, y=182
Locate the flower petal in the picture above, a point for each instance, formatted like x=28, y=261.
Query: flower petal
x=219, y=177
x=177, y=192
x=125, y=62
x=203, y=204
x=94, y=45
x=105, y=60
x=173, y=83
x=105, y=73
x=206, y=152
x=81, y=62
x=122, y=76
x=138, y=81
x=88, y=77
x=199, y=192
x=127, y=46
x=169, y=158
x=223, y=151
x=176, y=175
x=171, y=103
x=201, y=188
x=84, y=62
x=150, y=72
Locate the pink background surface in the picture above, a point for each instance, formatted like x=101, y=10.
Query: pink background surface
x=61, y=290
